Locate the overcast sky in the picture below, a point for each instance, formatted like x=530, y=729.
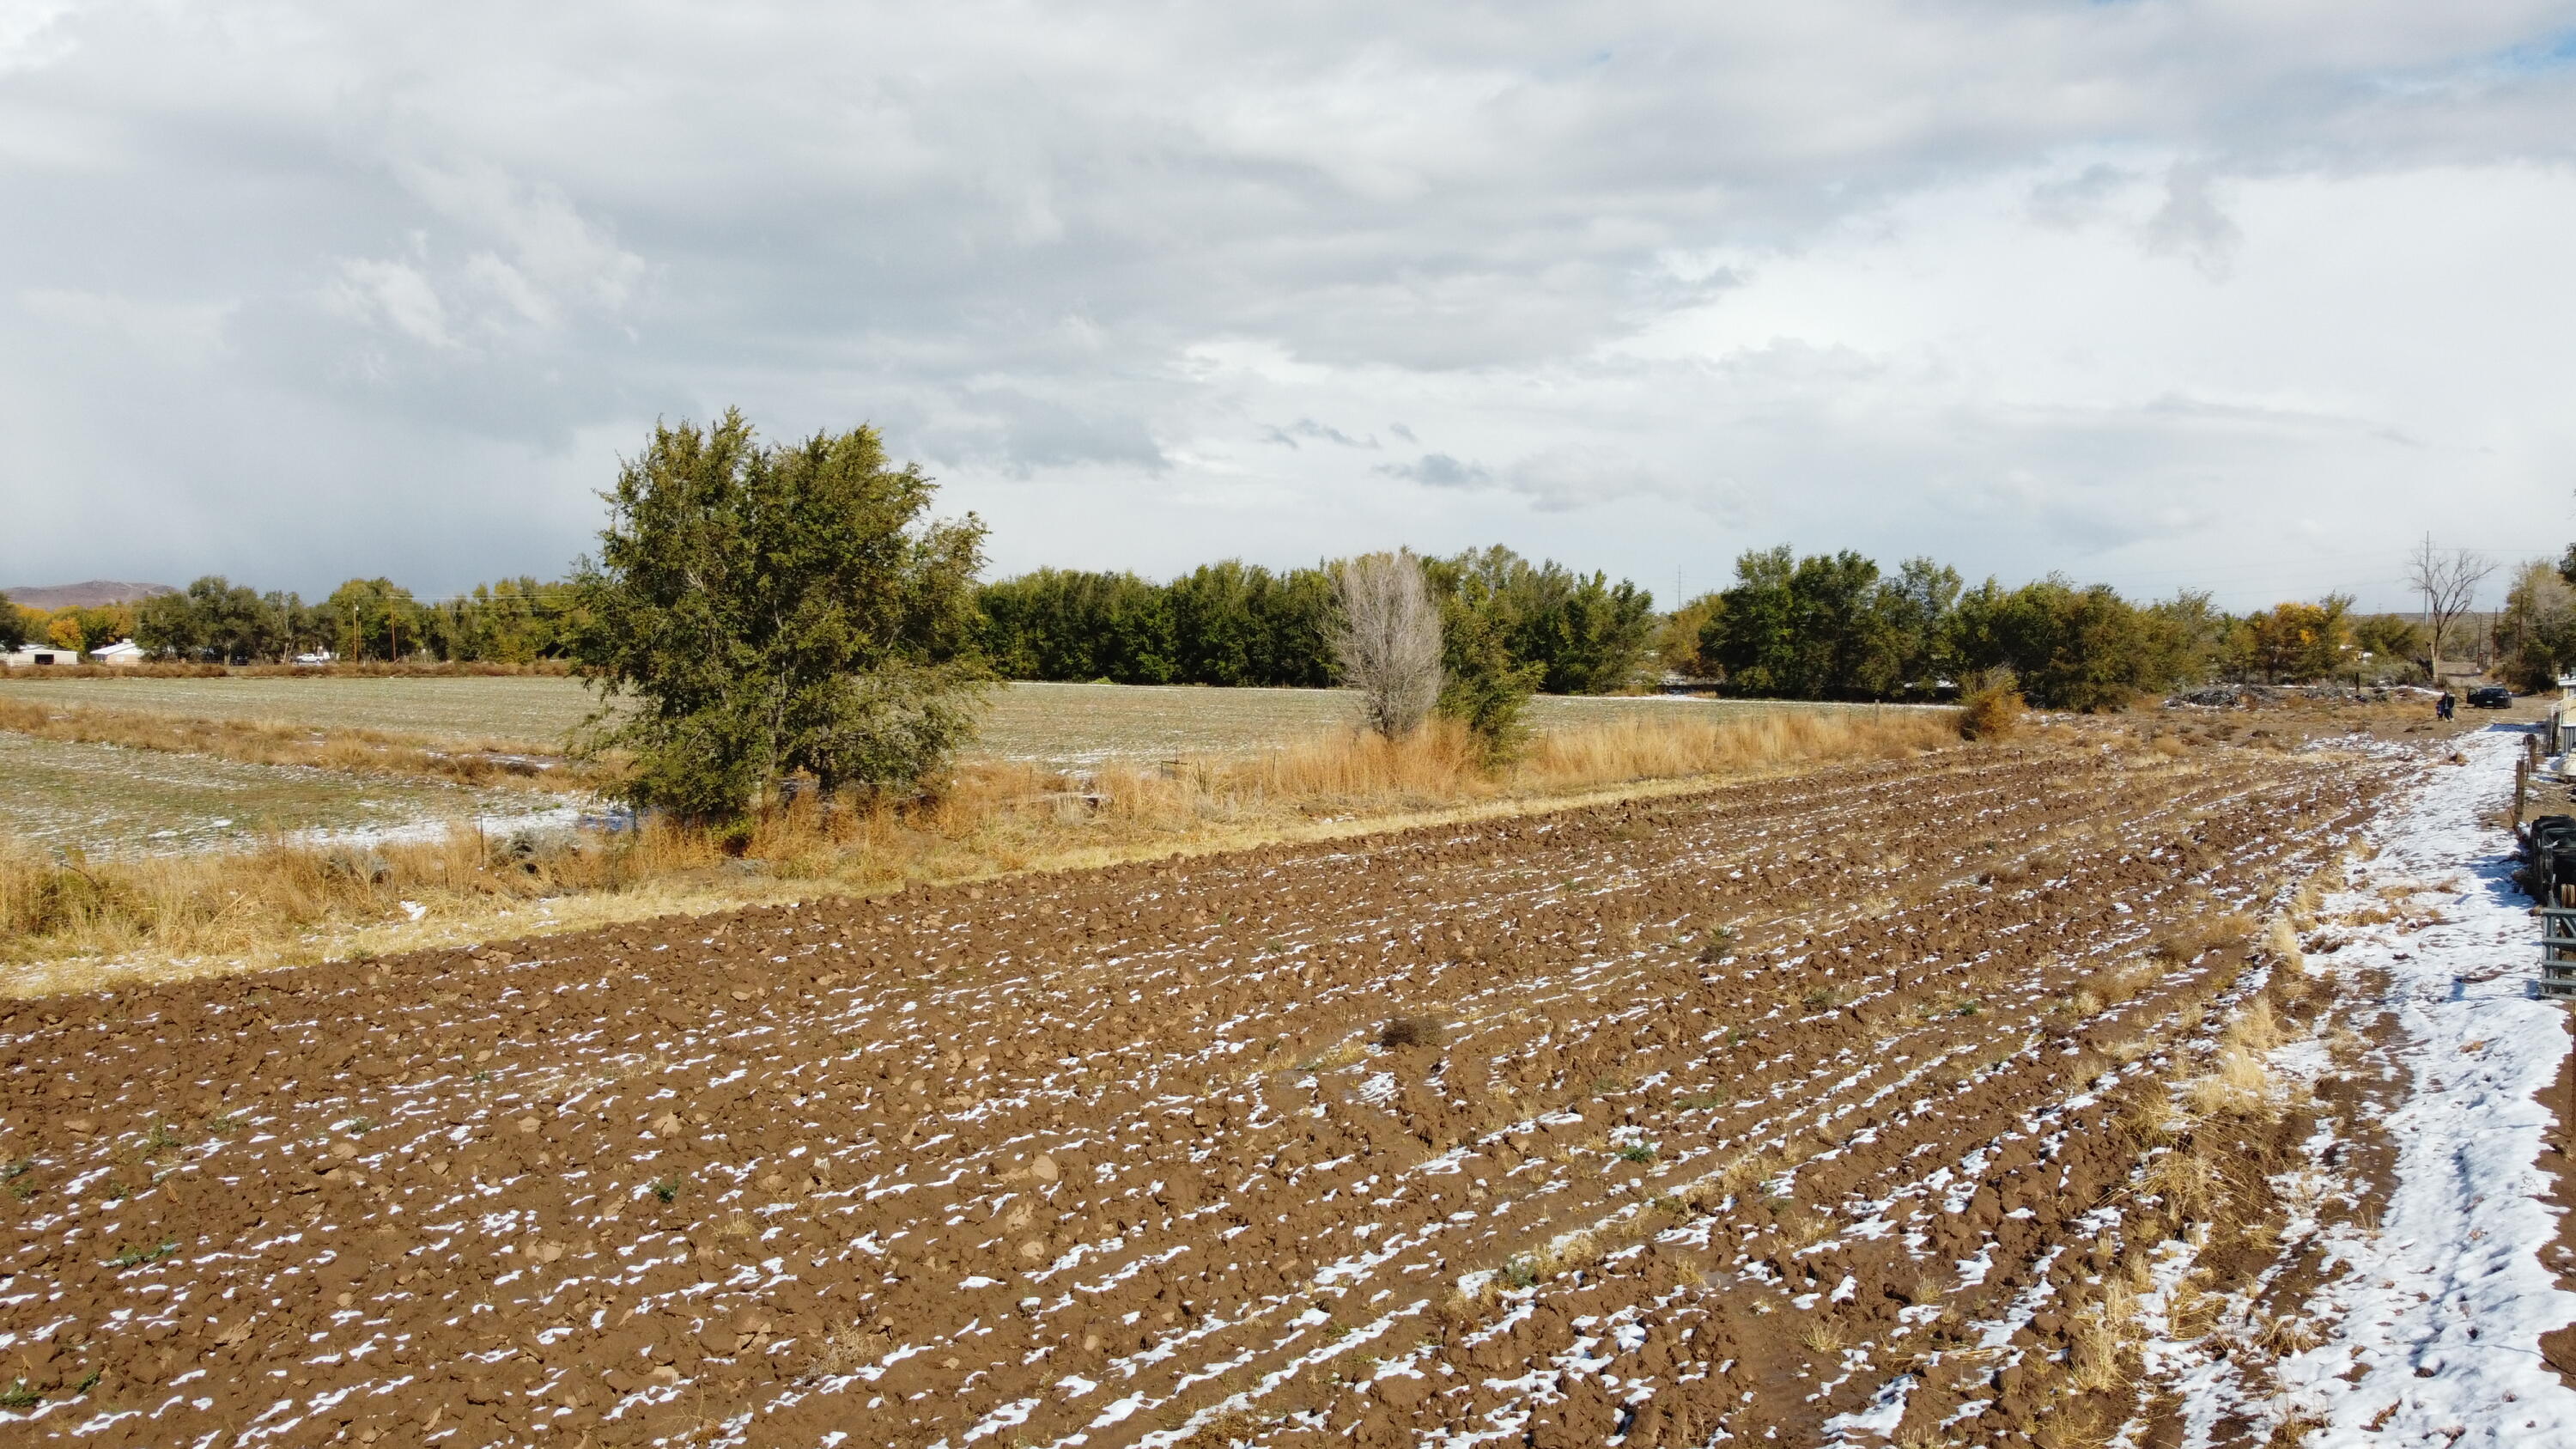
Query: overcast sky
x=2163, y=294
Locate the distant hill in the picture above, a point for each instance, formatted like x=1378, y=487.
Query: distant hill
x=83, y=596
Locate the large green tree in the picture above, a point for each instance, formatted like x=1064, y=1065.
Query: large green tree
x=218, y=620
x=1483, y=683
x=2073, y=648
x=1826, y=624
x=759, y=611
x=1071, y=624
x=377, y=619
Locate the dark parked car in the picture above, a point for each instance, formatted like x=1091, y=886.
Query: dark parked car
x=2490, y=696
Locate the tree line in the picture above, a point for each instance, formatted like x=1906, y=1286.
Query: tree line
x=1233, y=623
x=214, y=620
x=1227, y=623
x=1837, y=626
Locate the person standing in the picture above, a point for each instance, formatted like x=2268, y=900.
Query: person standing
x=2442, y=707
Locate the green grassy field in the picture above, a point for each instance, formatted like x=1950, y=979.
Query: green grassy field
x=103, y=799
x=1067, y=724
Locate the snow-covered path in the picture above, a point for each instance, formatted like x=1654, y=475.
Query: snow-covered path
x=2441, y=1310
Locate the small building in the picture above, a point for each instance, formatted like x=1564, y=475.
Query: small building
x=38, y=656
x=122, y=652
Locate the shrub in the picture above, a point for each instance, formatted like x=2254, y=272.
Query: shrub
x=1991, y=706
x=1408, y=1031
x=775, y=611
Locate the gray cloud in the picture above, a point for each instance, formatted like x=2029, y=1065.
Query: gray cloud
x=1438, y=470
x=2189, y=224
x=313, y=289
x=1314, y=431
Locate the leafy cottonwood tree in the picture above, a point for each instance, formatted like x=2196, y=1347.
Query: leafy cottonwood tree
x=218, y=620
x=772, y=610
x=2536, y=633
x=2074, y=648
x=1828, y=624
x=2294, y=643
x=1484, y=682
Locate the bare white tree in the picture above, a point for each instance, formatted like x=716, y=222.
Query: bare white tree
x=1388, y=640
x=2448, y=578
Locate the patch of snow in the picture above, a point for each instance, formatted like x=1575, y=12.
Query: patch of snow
x=2439, y=1312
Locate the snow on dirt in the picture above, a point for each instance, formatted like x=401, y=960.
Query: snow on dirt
x=2440, y=1310
x=1796, y=1111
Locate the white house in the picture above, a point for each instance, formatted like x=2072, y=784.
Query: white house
x=123, y=651
x=32, y=656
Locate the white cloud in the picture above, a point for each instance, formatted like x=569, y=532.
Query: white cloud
x=556, y=254
x=31, y=34
x=390, y=294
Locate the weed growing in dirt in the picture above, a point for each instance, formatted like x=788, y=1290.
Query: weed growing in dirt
x=1341, y=1054
x=1715, y=945
x=20, y=1395
x=667, y=1189
x=1521, y=1271
x=159, y=1140
x=1705, y=1102
x=1823, y=1338
x=136, y=1257
x=1805, y=1231
x=1636, y=1152
x=21, y=1186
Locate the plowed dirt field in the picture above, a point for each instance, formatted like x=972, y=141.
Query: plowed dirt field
x=1788, y=1111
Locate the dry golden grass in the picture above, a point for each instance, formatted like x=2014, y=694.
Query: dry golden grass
x=2255, y=1029
x=2239, y=1085
x=77, y=925
x=2189, y=940
x=258, y=742
x=2281, y=938
x=2103, y=1340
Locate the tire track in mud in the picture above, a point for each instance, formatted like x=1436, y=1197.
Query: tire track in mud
x=1788, y=1108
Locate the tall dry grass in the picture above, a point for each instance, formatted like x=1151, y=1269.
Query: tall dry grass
x=66, y=921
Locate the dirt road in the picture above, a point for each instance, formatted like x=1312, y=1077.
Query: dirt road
x=1792, y=1108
